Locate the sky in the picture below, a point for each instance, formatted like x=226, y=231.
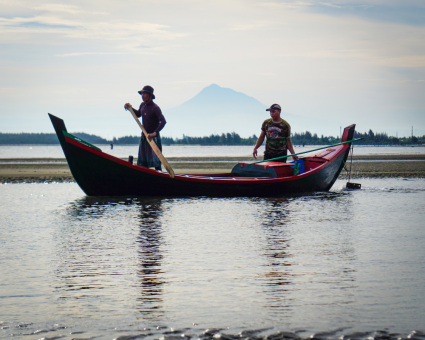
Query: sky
x=349, y=61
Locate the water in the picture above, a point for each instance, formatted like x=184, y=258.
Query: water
x=339, y=264
x=123, y=151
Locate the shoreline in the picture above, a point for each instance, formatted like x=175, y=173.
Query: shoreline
x=222, y=158
x=36, y=170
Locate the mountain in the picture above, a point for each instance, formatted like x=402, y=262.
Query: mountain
x=217, y=110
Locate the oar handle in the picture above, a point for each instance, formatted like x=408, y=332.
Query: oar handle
x=300, y=153
x=153, y=145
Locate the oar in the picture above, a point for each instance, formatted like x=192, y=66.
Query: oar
x=154, y=146
x=300, y=153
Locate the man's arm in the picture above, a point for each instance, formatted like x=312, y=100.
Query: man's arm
x=161, y=119
x=161, y=122
x=260, y=141
x=291, y=148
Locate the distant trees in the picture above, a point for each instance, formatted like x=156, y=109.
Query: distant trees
x=224, y=139
x=306, y=138
x=28, y=138
x=298, y=138
x=371, y=138
x=45, y=138
x=126, y=140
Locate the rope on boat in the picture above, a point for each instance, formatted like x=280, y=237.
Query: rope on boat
x=350, y=185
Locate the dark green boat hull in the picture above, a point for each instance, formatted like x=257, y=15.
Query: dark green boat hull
x=100, y=174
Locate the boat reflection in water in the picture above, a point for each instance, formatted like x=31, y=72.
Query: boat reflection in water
x=174, y=260
x=338, y=263
x=110, y=250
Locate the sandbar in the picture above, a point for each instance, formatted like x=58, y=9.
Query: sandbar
x=57, y=170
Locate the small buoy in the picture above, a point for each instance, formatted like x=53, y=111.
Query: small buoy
x=353, y=185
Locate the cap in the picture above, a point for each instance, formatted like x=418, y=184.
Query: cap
x=274, y=107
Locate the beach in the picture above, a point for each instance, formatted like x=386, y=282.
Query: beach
x=15, y=170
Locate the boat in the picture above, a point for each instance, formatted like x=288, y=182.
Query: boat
x=100, y=174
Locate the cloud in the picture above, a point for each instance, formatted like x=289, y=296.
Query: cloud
x=64, y=8
x=73, y=23
x=408, y=12
x=325, y=58
x=36, y=24
x=249, y=26
x=404, y=12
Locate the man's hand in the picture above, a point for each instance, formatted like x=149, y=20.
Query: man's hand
x=127, y=106
x=255, y=153
x=151, y=135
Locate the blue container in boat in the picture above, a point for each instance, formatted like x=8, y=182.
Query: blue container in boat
x=299, y=167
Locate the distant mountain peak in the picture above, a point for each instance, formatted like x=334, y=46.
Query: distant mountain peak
x=217, y=89
x=216, y=95
x=212, y=86
x=216, y=109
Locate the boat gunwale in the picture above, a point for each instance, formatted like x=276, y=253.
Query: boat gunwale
x=210, y=178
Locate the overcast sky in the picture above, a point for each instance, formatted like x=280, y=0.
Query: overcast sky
x=353, y=61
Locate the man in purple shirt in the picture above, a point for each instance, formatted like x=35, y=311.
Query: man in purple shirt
x=153, y=121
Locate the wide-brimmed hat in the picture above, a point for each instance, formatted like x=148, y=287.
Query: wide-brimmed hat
x=274, y=107
x=147, y=89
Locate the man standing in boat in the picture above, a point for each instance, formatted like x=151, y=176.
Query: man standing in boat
x=153, y=121
x=277, y=132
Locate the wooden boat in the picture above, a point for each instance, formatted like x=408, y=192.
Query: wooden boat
x=100, y=174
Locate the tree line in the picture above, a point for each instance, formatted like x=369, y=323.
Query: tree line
x=369, y=138
x=298, y=138
x=45, y=138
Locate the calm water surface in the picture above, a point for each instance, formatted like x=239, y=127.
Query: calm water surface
x=123, y=151
x=339, y=264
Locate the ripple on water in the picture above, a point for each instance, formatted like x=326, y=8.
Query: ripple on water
x=343, y=264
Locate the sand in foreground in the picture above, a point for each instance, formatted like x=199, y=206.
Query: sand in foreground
x=45, y=170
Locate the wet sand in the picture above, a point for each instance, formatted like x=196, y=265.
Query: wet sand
x=56, y=170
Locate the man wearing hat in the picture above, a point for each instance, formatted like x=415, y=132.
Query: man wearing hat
x=277, y=132
x=153, y=121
